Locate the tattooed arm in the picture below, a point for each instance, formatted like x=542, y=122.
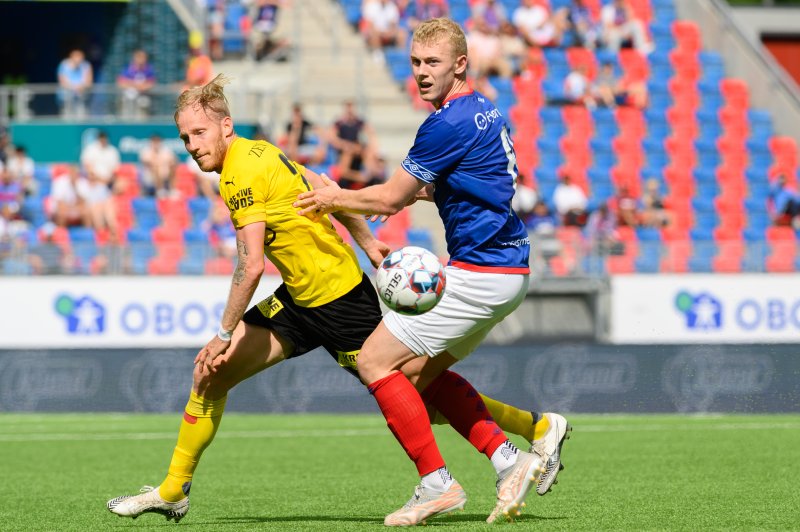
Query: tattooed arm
x=249, y=268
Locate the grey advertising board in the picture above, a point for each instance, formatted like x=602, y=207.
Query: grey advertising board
x=566, y=377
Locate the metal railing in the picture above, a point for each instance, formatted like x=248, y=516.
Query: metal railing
x=107, y=102
x=550, y=258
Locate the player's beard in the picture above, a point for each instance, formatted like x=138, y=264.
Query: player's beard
x=215, y=158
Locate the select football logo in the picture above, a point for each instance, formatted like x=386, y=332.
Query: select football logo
x=703, y=311
x=84, y=315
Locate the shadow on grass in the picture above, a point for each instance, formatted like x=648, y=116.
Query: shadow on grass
x=460, y=517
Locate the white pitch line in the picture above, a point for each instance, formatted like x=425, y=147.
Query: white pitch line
x=332, y=433
x=265, y=434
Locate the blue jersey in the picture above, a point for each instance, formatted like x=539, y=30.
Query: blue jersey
x=464, y=148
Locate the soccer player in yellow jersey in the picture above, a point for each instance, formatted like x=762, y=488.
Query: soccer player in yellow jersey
x=325, y=299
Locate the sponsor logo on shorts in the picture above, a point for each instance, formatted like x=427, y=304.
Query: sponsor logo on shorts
x=270, y=306
x=347, y=359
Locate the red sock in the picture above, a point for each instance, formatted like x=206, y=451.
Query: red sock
x=407, y=418
x=457, y=400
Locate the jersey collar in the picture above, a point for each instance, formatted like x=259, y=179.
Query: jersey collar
x=457, y=95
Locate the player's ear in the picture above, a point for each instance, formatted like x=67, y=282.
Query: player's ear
x=227, y=126
x=461, y=65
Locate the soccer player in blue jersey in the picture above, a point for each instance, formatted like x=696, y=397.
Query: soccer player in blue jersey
x=463, y=160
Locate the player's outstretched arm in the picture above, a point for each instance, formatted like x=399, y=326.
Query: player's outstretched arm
x=387, y=198
x=355, y=225
x=246, y=276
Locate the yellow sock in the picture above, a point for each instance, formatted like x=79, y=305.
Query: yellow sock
x=516, y=421
x=198, y=427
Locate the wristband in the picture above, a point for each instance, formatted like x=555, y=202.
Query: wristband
x=224, y=335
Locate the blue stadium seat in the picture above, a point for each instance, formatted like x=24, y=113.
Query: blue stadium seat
x=420, y=237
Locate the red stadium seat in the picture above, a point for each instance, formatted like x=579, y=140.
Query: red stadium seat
x=735, y=92
x=729, y=257
x=621, y=264
x=676, y=258
x=219, y=266
x=687, y=35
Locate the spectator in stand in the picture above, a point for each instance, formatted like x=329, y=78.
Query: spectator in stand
x=49, y=257
x=535, y=25
x=11, y=192
x=353, y=139
x=374, y=172
x=486, y=55
x=215, y=27
x=101, y=210
x=100, y=160
x=67, y=205
x=626, y=207
x=611, y=91
x=491, y=12
x=5, y=145
x=21, y=168
x=542, y=221
x=621, y=27
x=578, y=19
x=265, y=41
x=570, y=201
x=524, y=200
x=207, y=182
x=301, y=139
x=484, y=85
x=541, y=224
x=577, y=87
x=513, y=46
x=13, y=232
x=654, y=211
x=136, y=81
x=601, y=232
x=158, y=164
x=784, y=202
x=422, y=10
x=75, y=80
x=199, y=69
x=381, y=26
x=221, y=233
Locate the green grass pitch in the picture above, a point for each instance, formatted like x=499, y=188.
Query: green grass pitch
x=345, y=472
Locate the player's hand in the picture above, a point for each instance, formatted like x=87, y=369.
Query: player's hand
x=377, y=251
x=318, y=202
x=376, y=217
x=214, y=348
x=424, y=194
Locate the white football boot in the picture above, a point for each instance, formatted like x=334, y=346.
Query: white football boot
x=548, y=448
x=148, y=501
x=513, y=485
x=427, y=503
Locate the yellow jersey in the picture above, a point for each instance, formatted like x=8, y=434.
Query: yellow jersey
x=259, y=184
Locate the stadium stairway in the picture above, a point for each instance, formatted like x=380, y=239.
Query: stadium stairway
x=329, y=64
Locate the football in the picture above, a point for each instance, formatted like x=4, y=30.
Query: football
x=411, y=280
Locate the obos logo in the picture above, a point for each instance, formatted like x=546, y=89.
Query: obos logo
x=83, y=315
x=696, y=376
x=703, y=312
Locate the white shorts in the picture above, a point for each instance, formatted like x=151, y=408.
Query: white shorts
x=473, y=303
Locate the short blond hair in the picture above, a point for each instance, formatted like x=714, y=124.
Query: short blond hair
x=438, y=29
x=210, y=98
